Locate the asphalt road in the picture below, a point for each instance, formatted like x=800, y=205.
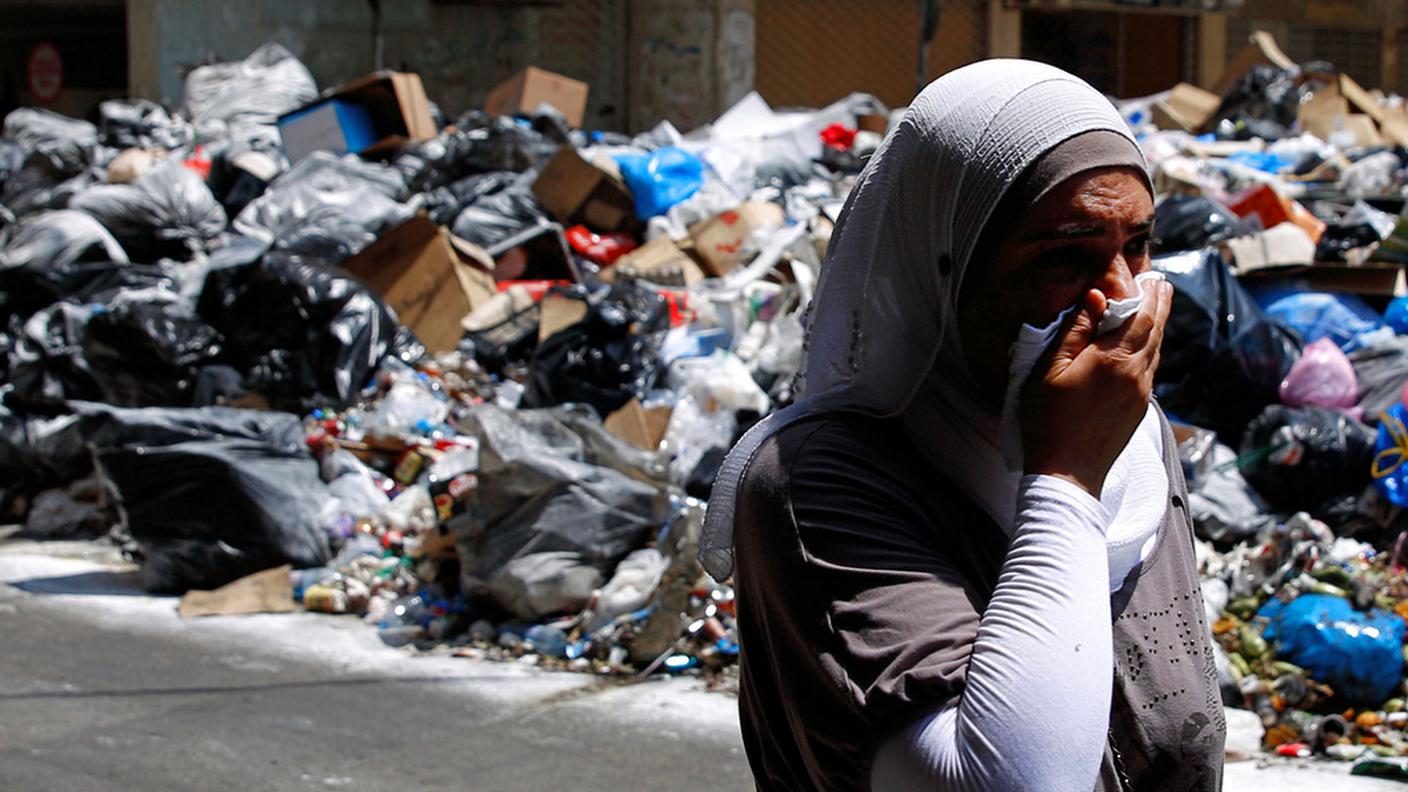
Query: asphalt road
x=105, y=688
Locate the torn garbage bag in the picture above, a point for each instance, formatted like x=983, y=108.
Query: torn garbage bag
x=539, y=491
x=1222, y=359
x=140, y=123
x=167, y=213
x=303, y=333
x=207, y=512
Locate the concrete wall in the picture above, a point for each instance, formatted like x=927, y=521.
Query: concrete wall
x=463, y=50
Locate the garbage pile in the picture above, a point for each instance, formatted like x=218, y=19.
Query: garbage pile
x=470, y=379
x=473, y=378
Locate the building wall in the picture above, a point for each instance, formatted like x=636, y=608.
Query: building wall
x=461, y=50
x=813, y=52
x=1363, y=38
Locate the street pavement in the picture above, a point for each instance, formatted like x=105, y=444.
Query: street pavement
x=105, y=688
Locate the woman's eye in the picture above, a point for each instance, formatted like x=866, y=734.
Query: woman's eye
x=1139, y=246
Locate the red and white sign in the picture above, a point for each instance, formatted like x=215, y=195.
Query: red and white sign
x=45, y=70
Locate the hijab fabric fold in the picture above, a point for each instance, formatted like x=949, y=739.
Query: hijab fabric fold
x=881, y=324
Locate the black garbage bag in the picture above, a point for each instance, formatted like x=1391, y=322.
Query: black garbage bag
x=11, y=160
x=211, y=510
x=57, y=239
x=1300, y=457
x=304, y=334
x=1340, y=239
x=148, y=353
x=168, y=212
x=500, y=216
x=1264, y=93
x=478, y=144
x=36, y=186
x=1192, y=222
x=1222, y=359
x=1382, y=371
x=140, y=123
x=606, y=359
x=259, y=89
x=67, y=145
x=47, y=362
x=445, y=203
x=506, y=344
x=327, y=207
x=26, y=290
x=542, y=489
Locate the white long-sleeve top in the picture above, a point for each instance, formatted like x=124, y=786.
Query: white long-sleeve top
x=1035, y=711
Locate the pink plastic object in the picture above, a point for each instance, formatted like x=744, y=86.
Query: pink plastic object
x=1322, y=377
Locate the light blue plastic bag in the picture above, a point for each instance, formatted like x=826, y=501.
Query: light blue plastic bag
x=661, y=179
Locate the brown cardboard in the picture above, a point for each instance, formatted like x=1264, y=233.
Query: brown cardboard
x=524, y=91
x=1260, y=48
x=577, y=191
x=1284, y=245
x=638, y=426
x=556, y=312
x=657, y=255
x=398, y=106
x=1385, y=280
x=1187, y=106
x=269, y=591
x=419, y=269
x=720, y=239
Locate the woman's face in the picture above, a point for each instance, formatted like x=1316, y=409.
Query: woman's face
x=1090, y=232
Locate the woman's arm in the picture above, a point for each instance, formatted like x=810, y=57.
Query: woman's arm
x=1035, y=710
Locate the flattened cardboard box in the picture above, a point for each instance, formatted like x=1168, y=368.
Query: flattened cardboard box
x=430, y=279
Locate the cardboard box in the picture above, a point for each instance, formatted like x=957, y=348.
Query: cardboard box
x=525, y=91
x=391, y=109
x=1187, y=107
x=1372, y=278
x=657, y=257
x=638, y=426
x=719, y=240
x=576, y=191
x=431, y=279
x=1271, y=209
x=1286, y=245
x=330, y=125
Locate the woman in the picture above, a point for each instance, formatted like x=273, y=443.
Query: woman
x=964, y=557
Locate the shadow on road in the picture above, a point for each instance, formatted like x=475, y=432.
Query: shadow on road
x=127, y=584
x=220, y=690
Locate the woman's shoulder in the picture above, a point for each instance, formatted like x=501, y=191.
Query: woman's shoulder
x=834, y=446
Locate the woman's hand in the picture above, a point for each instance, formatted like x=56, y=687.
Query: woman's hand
x=1081, y=407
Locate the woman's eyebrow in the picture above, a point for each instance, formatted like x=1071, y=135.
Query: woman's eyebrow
x=1074, y=231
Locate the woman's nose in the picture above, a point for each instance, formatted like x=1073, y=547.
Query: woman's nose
x=1117, y=282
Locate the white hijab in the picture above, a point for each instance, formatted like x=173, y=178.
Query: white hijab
x=886, y=303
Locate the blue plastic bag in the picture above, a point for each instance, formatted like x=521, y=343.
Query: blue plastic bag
x=1390, y=469
x=1343, y=318
x=1397, y=315
x=1358, y=654
x=661, y=179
